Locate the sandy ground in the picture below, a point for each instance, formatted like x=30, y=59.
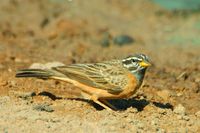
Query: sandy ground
x=75, y=32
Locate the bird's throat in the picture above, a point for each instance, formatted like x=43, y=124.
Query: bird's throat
x=139, y=74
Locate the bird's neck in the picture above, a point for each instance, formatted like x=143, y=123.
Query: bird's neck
x=140, y=74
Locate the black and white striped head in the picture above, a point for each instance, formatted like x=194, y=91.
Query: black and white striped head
x=136, y=63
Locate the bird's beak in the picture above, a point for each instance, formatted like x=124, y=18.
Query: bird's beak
x=145, y=64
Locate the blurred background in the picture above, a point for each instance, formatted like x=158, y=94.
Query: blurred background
x=80, y=31
x=76, y=30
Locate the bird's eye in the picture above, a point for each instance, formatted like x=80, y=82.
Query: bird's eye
x=133, y=60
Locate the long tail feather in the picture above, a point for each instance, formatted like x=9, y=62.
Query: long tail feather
x=38, y=73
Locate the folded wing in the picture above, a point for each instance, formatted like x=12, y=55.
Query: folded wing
x=99, y=75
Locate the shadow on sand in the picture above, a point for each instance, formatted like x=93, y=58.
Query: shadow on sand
x=120, y=104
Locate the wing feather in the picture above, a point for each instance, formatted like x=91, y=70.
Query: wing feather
x=99, y=75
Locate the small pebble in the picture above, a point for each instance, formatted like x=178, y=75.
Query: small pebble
x=179, y=109
x=10, y=70
x=179, y=94
x=132, y=110
x=187, y=118
x=46, y=66
x=162, y=111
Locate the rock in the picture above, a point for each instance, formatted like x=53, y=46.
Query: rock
x=123, y=39
x=37, y=66
x=132, y=110
x=48, y=65
x=43, y=107
x=179, y=109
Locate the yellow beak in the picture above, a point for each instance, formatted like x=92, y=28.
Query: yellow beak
x=145, y=64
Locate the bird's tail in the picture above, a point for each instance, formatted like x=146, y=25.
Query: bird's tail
x=38, y=73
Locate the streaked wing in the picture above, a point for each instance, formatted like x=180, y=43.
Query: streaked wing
x=99, y=75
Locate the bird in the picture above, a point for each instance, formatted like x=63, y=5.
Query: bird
x=99, y=82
